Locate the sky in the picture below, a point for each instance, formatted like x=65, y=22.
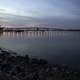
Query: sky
x=42, y=13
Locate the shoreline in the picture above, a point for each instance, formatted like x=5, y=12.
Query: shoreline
x=26, y=68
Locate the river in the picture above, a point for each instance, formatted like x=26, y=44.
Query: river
x=58, y=47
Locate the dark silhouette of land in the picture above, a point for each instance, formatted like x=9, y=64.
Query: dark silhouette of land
x=2, y=29
x=36, y=29
x=16, y=67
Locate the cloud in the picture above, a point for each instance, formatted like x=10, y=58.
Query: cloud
x=52, y=12
x=75, y=2
x=26, y=21
x=2, y=10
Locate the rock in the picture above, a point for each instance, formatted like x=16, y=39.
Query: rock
x=4, y=76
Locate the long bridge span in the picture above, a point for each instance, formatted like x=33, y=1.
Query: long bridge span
x=36, y=29
x=29, y=29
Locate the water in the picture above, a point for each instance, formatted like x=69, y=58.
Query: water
x=60, y=47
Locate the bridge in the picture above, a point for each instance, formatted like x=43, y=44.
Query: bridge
x=29, y=29
x=34, y=29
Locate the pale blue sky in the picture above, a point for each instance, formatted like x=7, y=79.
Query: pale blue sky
x=48, y=12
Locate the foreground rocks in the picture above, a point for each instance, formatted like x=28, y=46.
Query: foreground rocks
x=15, y=67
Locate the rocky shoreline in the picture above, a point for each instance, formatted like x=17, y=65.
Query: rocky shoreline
x=16, y=67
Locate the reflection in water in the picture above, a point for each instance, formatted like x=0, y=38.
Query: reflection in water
x=34, y=34
x=56, y=46
x=1, y=33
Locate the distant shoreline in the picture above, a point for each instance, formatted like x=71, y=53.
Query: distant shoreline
x=38, y=30
x=35, y=29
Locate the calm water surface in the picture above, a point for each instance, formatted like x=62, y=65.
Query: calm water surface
x=57, y=47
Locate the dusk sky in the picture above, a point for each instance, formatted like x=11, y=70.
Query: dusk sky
x=51, y=13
